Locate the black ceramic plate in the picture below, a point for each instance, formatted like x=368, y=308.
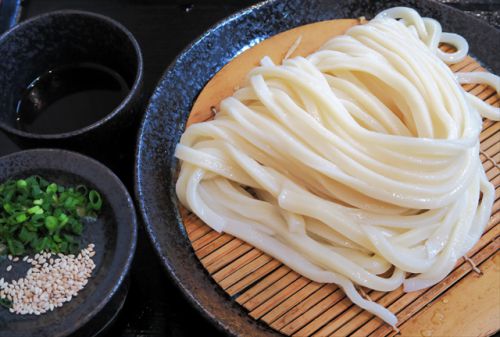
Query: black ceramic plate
x=171, y=103
x=10, y=11
x=114, y=234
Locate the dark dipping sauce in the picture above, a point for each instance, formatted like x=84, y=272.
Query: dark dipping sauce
x=69, y=98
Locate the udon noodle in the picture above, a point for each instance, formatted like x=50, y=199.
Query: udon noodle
x=356, y=165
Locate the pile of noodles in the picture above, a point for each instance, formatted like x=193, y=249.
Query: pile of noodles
x=357, y=165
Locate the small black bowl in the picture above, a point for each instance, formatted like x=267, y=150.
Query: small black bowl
x=114, y=234
x=64, y=38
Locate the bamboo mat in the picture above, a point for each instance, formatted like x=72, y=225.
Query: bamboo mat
x=465, y=303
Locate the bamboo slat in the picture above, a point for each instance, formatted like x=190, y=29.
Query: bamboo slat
x=296, y=306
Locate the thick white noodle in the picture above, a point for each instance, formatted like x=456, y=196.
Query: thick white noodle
x=489, y=79
x=355, y=165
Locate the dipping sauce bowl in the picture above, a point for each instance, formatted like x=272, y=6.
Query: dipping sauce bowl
x=39, y=48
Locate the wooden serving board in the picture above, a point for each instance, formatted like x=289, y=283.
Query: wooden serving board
x=465, y=303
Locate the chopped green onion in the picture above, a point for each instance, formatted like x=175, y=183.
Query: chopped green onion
x=15, y=247
x=36, y=215
x=35, y=210
x=52, y=188
x=63, y=219
x=8, y=208
x=21, y=183
x=82, y=189
x=4, y=302
x=21, y=218
x=51, y=223
x=95, y=200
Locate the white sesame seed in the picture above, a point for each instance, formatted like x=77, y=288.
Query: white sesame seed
x=15, y=259
x=9, y=268
x=49, y=283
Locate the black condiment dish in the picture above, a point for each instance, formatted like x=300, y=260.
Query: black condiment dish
x=65, y=38
x=114, y=234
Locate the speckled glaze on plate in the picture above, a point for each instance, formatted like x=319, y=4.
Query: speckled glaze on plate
x=171, y=103
x=114, y=234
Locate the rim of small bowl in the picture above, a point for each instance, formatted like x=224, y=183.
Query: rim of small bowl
x=131, y=230
x=126, y=101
